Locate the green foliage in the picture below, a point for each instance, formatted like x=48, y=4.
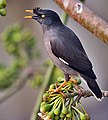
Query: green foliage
x=57, y=105
x=36, y=80
x=56, y=73
x=2, y=6
x=19, y=43
x=7, y=75
x=39, y=77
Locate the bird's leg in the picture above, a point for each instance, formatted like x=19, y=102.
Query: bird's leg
x=72, y=79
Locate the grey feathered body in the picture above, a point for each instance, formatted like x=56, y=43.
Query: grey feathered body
x=50, y=35
x=61, y=42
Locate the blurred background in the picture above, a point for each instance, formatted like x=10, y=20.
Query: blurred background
x=21, y=104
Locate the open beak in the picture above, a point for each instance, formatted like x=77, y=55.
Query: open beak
x=29, y=17
x=29, y=11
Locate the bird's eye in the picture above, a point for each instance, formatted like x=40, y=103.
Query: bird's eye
x=43, y=16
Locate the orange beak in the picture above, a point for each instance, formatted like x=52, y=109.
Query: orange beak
x=28, y=17
x=29, y=11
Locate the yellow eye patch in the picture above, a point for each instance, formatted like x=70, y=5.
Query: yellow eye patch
x=43, y=16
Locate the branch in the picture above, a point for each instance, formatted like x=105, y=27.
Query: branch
x=86, y=18
x=85, y=93
x=26, y=73
x=88, y=93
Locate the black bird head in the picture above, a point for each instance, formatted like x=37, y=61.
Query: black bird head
x=44, y=17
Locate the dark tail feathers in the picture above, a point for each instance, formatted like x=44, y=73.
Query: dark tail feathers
x=94, y=87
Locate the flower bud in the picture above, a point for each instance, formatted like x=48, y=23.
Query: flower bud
x=50, y=115
x=69, y=115
x=42, y=104
x=45, y=96
x=60, y=79
x=62, y=115
x=64, y=110
x=57, y=110
x=3, y=12
x=2, y=4
x=52, y=86
x=82, y=116
x=56, y=117
x=45, y=108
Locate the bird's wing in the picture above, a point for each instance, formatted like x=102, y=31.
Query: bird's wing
x=72, y=56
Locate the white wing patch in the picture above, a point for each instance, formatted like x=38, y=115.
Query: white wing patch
x=63, y=61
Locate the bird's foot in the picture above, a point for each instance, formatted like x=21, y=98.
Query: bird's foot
x=78, y=89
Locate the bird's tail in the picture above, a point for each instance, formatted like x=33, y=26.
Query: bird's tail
x=94, y=88
x=92, y=84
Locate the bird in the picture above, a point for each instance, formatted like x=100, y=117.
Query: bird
x=65, y=49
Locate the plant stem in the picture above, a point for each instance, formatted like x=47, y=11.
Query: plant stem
x=42, y=90
x=64, y=17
